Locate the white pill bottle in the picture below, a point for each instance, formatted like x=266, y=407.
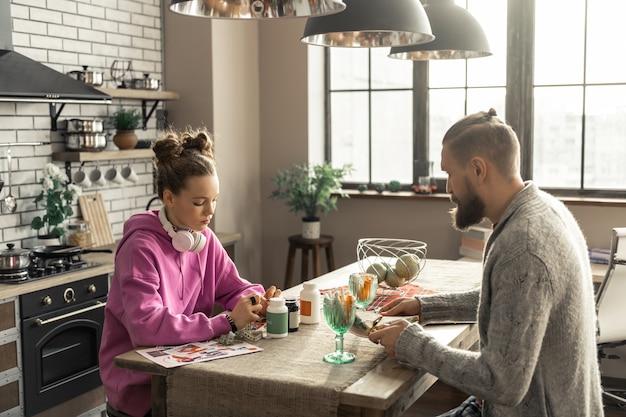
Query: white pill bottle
x=309, y=304
x=277, y=318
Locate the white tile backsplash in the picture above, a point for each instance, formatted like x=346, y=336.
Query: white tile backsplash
x=65, y=35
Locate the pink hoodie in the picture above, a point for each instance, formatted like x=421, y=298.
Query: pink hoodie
x=160, y=296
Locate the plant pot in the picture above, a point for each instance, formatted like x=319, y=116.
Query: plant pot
x=48, y=240
x=311, y=229
x=125, y=139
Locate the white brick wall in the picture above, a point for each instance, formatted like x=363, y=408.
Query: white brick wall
x=65, y=36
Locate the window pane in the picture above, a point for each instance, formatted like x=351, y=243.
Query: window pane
x=445, y=108
x=349, y=130
x=482, y=99
x=446, y=73
x=349, y=69
x=491, y=70
x=392, y=136
x=559, y=41
x=605, y=40
x=390, y=73
x=557, y=144
x=605, y=136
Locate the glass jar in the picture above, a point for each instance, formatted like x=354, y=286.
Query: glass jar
x=79, y=234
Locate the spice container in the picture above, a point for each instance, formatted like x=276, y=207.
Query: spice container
x=309, y=304
x=79, y=234
x=294, y=313
x=277, y=318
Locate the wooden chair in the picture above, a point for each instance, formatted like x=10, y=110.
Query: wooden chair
x=306, y=245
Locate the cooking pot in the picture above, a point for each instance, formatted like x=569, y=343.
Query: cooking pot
x=145, y=83
x=84, y=125
x=88, y=77
x=86, y=142
x=13, y=259
x=63, y=251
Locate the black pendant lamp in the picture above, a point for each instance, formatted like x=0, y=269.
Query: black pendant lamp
x=458, y=35
x=256, y=9
x=369, y=24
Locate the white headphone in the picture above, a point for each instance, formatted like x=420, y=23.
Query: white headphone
x=182, y=240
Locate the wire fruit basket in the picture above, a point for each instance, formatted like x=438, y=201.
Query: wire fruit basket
x=396, y=262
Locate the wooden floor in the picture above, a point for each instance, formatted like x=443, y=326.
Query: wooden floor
x=441, y=398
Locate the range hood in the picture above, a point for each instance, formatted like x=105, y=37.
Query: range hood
x=23, y=79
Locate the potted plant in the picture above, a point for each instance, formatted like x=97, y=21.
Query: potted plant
x=310, y=189
x=57, y=194
x=125, y=122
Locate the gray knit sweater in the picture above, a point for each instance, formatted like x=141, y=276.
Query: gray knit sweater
x=536, y=319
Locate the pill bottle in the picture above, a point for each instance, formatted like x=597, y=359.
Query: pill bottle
x=309, y=304
x=294, y=313
x=277, y=318
x=79, y=234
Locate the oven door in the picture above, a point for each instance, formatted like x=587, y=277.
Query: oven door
x=60, y=351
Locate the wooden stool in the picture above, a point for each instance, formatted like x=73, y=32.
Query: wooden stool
x=299, y=242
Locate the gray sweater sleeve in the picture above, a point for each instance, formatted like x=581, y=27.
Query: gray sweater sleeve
x=458, y=307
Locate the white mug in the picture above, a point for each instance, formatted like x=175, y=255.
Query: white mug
x=113, y=175
x=81, y=179
x=97, y=178
x=129, y=174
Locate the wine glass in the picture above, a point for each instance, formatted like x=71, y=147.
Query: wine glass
x=363, y=288
x=339, y=313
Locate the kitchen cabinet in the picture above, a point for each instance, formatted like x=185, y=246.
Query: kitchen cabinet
x=11, y=398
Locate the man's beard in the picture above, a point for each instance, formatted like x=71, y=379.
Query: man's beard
x=467, y=213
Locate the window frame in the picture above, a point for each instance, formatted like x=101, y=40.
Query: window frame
x=519, y=101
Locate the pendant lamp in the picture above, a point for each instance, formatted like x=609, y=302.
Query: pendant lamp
x=369, y=24
x=256, y=9
x=458, y=35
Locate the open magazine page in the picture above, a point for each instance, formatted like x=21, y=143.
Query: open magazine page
x=172, y=356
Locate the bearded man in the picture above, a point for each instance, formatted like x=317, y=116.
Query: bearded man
x=535, y=306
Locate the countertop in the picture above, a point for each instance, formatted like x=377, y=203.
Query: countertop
x=105, y=265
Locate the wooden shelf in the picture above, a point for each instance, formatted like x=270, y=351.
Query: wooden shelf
x=139, y=94
x=102, y=156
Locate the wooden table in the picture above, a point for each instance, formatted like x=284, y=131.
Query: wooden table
x=388, y=388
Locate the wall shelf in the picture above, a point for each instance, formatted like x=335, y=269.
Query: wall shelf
x=103, y=155
x=144, y=96
x=82, y=157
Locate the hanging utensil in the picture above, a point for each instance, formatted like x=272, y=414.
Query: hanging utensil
x=10, y=202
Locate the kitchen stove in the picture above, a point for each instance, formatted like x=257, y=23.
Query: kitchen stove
x=45, y=268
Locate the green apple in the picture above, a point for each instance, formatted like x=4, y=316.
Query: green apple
x=393, y=279
x=379, y=269
x=407, y=266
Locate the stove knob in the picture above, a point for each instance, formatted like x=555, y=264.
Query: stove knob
x=91, y=289
x=46, y=301
x=68, y=295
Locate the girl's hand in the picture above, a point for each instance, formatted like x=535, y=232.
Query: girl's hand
x=247, y=310
x=270, y=293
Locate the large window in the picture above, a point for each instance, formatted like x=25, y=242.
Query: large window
x=386, y=114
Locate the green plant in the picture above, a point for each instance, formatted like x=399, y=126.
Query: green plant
x=126, y=119
x=394, y=186
x=310, y=189
x=57, y=195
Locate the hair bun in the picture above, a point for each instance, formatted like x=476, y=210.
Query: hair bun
x=492, y=112
x=167, y=148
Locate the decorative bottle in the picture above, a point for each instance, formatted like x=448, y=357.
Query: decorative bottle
x=309, y=304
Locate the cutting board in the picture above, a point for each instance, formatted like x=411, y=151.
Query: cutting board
x=92, y=207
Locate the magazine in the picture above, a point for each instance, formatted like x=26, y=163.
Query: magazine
x=173, y=356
